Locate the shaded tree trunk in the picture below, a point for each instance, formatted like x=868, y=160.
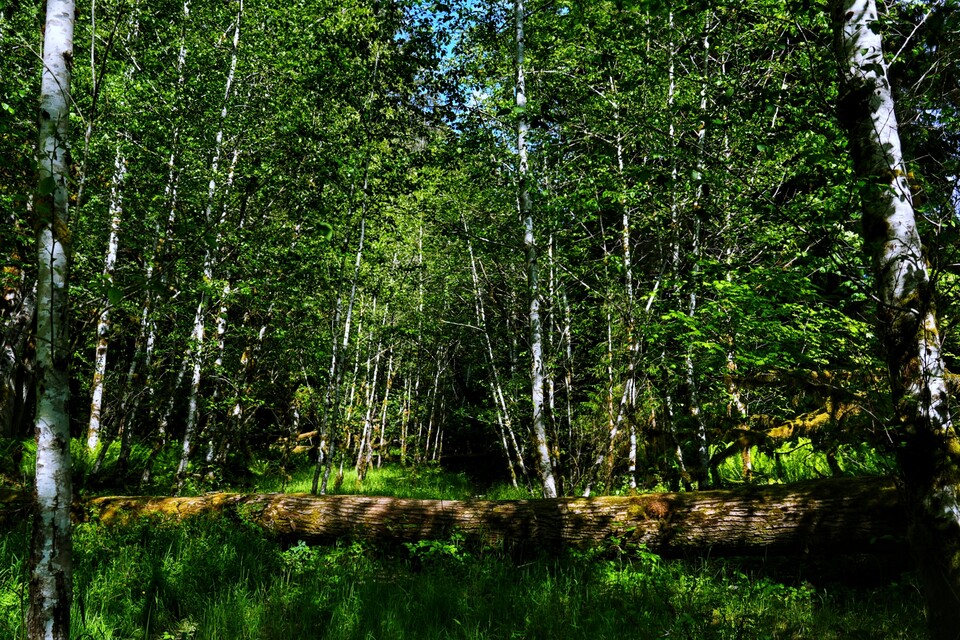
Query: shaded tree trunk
x=198, y=336
x=16, y=368
x=930, y=453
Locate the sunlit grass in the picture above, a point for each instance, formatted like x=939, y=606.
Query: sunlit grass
x=802, y=461
x=425, y=482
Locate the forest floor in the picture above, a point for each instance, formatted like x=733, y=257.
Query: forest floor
x=223, y=578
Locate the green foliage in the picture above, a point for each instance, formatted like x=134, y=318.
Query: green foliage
x=439, y=551
x=802, y=461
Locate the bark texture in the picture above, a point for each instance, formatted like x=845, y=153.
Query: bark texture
x=929, y=453
x=832, y=516
x=51, y=578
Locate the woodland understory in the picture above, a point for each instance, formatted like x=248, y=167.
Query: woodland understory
x=543, y=249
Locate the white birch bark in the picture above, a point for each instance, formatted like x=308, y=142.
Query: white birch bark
x=115, y=213
x=199, y=329
x=537, y=372
x=103, y=322
x=405, y=419
x=331, y=408
x=366, y=435
x=630, y=386
x=568, y=364
x=51, y=579
x=929, y=454
x=213, y=431
x=703, y=451
x=383, y=412
x=674, y=265
x=148, y=326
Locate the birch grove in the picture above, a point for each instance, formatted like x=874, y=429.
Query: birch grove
x=574, y=248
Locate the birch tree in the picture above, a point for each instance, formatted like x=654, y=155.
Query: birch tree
x=210, y=258
x=537, y=372
x=930, y=455
x=51, y=581
x=103, y=322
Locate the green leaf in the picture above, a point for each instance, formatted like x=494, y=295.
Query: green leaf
x=47, y=186
x=115, y=296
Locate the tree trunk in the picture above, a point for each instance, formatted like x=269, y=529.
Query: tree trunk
x=199, y=330
x=930, y=452
x=51, y=580
x=103, y=323
x=537, y=372
x=16, y=356
x=499, y=403
x=832, y=516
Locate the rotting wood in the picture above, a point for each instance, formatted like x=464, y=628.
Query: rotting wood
x=830, y=516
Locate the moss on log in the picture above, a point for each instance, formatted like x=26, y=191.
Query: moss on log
x=831, y=516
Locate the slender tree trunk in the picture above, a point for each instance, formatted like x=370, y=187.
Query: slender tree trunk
x=673, y=268
x=199, y=329
x=568, y=365
x=366, y=436
x=331, y=406
x=692, y=382
x=500, y=405
x=148, y=325
x=115, y=211
x=383, y=412
x=405, y=420
x=930, y=451
x=103, y=323
x=15, y=360
x=633, y=346
x=214, y=430
x=51, y=581
x=537, y=372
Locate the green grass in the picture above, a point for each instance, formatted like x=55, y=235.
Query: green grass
x=217, y=578
x=801, y=461
x=223, y=578
x=425, y=482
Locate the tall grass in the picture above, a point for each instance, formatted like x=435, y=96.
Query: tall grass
x=216, y=579
x=223, y=578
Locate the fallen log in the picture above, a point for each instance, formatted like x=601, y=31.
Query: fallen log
x=818, y=517
x=824, y=517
